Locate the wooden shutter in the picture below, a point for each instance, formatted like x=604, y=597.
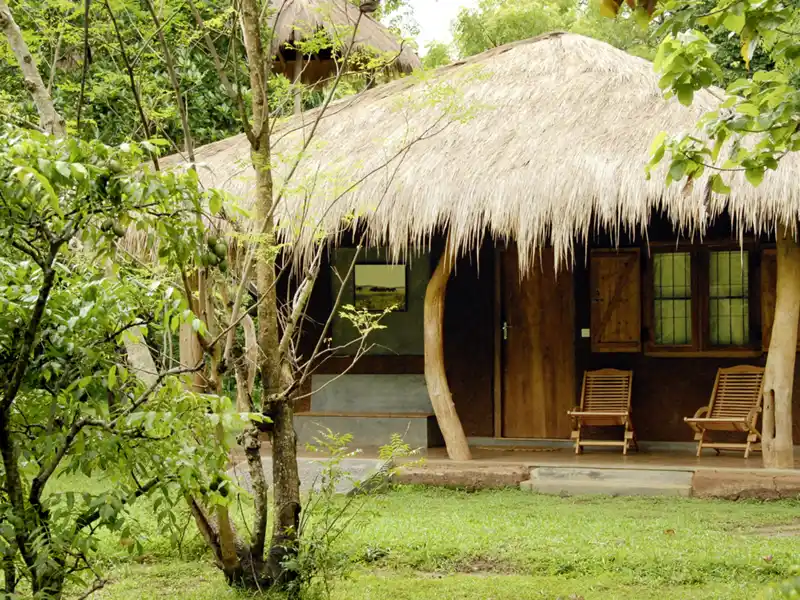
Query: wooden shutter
x=616, y=320
x=769, y=279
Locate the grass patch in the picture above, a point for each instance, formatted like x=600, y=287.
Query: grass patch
x=437, y=544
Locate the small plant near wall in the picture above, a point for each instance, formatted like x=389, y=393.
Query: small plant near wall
x=329, y=514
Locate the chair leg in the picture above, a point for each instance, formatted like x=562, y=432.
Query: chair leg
x=628, y=437
x=700, y=438
x=576, y=434
x=751, y=438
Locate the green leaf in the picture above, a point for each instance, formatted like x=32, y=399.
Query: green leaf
x=677, y=169
x=755, y=176
x=747, y=108
x=685, y=95
x=734, y=22
x=718, y=185
x=112, y=376
x=63, y=169
x=215, y=203
x=721, y=137
x=658, y=142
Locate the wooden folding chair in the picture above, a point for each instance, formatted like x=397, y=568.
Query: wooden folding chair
x=734, y=406
x=605, y=401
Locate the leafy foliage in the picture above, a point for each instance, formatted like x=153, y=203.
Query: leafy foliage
x=437, y=55
x=54, y=33
x=497, y=22
x=756, y=123
x=69, y=401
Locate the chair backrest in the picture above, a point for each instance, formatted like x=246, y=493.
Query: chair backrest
x=606, y=390
x=737, y=392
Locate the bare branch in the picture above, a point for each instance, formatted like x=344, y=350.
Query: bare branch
x=132, y=78
x=85, y=70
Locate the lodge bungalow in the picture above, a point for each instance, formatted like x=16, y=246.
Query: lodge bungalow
x=512, y=227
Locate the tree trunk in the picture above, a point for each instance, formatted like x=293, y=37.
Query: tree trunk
x=435, y=374
x=139, y=357
x=286, y=480
x=49, y=118
x=776, y=435
x=190, y=354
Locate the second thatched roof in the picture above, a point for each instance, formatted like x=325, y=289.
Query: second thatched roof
x=295, y=20
x=537, y=141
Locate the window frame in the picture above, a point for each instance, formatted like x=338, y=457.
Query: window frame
x=700, y=259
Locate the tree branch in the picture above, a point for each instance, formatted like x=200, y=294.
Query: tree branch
x=176, y=88
x=48, y=116
x=132, y=79
x=85, y=71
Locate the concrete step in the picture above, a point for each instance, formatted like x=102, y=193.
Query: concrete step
x=571, y=481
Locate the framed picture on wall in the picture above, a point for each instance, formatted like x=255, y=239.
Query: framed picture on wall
x=379, y=287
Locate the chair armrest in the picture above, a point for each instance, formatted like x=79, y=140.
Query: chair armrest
x=700, y=412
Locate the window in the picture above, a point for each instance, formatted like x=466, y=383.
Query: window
x=380, y=287
x=728, y=304
x=701, y=300
x=672, y=283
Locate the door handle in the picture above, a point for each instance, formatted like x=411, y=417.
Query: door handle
x=505, y=330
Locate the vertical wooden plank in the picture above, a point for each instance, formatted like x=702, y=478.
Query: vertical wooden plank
x=539, y=354
x=497, y=379
x=769, y=273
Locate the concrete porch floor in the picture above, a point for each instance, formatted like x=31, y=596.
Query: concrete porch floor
x=556, y=469
x=673, y=459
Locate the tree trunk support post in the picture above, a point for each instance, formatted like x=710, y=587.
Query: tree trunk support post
x=435, y=375
x=776, y=436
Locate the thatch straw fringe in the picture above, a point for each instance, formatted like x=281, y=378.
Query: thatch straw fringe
x=299, y=19
x=557, y=145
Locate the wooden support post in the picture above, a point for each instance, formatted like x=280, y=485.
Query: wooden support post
x=435, y=375
x=298, y=83
x=776, y=435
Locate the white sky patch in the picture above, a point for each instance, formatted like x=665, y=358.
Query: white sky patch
x=435, y=17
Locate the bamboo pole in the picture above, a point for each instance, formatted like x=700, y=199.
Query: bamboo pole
x=776, y=436
x=435, y=374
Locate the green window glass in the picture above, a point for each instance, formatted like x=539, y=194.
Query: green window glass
x=672, y=287
x=728, y=299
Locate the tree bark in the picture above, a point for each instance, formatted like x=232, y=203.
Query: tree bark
x=139, y=357
x=49, y=118
x=435, y=374
x=286, y=480
x=776, y=436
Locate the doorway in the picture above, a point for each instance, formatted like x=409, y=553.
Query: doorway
x=537, y=348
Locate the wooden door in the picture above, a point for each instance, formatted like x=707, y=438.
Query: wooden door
x=538, y=349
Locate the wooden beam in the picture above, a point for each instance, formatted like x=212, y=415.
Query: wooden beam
x=776, y=436
x=497, y=378
x=435, y=374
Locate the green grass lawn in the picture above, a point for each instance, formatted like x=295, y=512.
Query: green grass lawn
x=509, y=545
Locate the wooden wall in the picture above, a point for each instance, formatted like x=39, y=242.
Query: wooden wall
x=665, y=389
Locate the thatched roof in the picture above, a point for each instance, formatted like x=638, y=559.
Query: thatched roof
x=557, y=144
x=299, y=19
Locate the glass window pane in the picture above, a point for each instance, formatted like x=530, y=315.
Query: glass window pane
x=672, y=309
x=729, y=289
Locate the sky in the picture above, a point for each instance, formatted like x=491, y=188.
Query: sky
x=434, y=18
